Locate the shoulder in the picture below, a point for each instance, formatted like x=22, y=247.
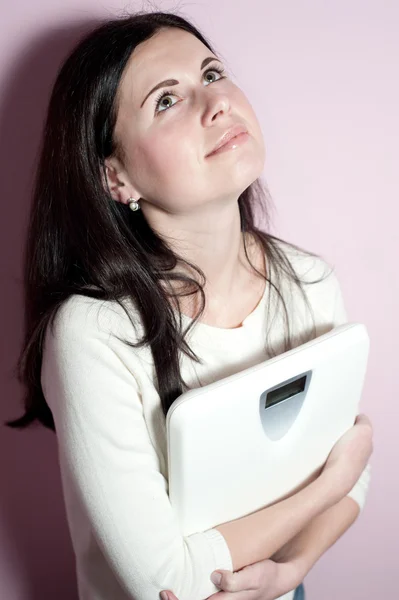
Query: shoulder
x=85, y=346
x=310, y=268
x=82, y=315
x=318, y=280
x=307, y=265
x=88, y=330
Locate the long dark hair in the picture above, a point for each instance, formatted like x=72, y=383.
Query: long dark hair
x=81, y=242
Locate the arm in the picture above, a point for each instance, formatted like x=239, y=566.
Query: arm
x=333, y=523
x=306, y=544
x=283, y=573
x=323, y=531
x=319, y=535
x=258, y=536
x=278, y=524
x=123, y=527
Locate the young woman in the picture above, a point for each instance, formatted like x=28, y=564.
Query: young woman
x=126, y=309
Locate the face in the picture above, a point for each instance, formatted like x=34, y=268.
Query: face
x=166, y=136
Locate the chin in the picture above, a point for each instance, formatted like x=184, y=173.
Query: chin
x=247, y=171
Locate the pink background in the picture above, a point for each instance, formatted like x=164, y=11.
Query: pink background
x=322, y=78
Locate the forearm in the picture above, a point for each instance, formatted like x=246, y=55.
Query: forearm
x=259, y=535
x=319, y=535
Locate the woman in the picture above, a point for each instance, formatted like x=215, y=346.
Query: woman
x=126, y=309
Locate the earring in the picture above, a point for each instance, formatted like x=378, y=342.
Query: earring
x=133, y=204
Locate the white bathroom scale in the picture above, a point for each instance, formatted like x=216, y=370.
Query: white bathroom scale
x=248, y=440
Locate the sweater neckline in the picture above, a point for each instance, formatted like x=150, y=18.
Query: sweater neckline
x=250, y=320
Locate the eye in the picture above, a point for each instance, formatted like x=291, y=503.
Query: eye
x=218, y=70
x=159, y=102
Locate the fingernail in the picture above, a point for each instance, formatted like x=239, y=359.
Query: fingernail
x=216, y=578
x=164, y=596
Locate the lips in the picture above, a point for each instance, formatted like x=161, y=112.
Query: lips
x=227, y=136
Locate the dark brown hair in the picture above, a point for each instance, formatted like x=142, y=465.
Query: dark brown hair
x=81, y=242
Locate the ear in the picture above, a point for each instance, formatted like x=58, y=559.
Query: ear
x=116, y=182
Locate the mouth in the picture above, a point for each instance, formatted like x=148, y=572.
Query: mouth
x=232, y=138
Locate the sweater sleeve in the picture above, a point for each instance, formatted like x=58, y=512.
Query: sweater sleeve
x=108, y=457
x=360, y=489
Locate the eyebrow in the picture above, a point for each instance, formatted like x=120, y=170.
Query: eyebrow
x=169, y=82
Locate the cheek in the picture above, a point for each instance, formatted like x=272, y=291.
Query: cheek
x=246, y=108
x=162, y=161
x=149, y=160
x=248, y=112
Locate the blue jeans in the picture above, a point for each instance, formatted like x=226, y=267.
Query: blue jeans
x=300, y=593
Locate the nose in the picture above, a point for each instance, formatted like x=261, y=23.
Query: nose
x=216, y=105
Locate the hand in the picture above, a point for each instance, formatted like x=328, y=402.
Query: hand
x=264, y=580
x=350, y=455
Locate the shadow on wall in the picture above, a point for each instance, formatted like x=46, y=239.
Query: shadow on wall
x=36, y=558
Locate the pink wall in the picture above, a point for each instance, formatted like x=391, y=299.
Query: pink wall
x=321, y=77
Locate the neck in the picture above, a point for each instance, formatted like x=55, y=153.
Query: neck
x=216, y=246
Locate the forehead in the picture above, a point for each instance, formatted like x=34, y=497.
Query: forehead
x=158, y=57
x=168, y=45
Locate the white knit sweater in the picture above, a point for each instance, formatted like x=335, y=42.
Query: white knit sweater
x=112, y=438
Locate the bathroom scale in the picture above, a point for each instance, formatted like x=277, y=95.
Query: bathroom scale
x=250, y=439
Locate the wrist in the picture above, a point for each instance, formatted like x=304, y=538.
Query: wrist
x=302, y=564
x=296, y=553
x=295, y=571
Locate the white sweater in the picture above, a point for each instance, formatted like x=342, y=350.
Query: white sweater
x=112, y=438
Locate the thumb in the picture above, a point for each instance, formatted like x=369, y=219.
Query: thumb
x=226, y=580
x=168, y=595
x=220, y=576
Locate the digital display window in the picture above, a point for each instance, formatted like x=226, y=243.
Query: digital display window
x=286, y=391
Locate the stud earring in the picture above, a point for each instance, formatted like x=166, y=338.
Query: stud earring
x=133, y=204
